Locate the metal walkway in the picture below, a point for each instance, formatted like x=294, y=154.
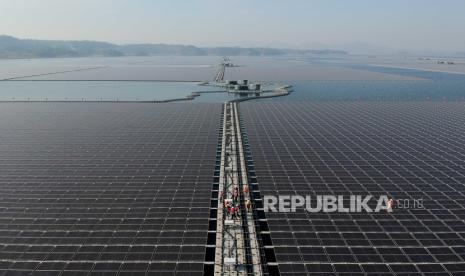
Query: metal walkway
x=237, y=251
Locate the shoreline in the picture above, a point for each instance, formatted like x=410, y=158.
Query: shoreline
x=419, y=69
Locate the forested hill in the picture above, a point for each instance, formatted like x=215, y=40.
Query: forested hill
x=11, y=47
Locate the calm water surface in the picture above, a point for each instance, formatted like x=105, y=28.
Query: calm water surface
x=422, y=86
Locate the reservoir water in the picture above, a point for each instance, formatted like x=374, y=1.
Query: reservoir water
x=138, y=79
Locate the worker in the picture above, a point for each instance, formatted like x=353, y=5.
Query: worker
x=228, y=207
x=231, y=212
x=391, y=203
x=236, y=210
x=248, y=205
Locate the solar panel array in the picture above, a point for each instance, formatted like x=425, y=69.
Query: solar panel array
x=89, y=189
x=406, y=150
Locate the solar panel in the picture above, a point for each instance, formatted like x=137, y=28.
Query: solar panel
x=406, y=150
x=106, y=188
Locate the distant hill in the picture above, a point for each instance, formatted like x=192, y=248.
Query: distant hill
x=11, y=47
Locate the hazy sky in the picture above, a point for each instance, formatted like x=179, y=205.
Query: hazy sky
x=396, y=24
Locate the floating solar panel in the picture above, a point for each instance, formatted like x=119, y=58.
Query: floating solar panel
x=106, y=188
x=405, y=150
